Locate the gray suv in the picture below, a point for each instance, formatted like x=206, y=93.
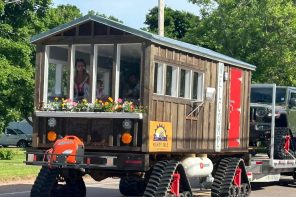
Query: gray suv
x=15, y=137
x=261, y=114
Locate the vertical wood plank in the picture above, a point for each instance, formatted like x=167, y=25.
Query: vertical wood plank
x=167, y=112
x=180, y=127
x=205, y=131
x=40, y=50
x=174, y=118
x=212, y=133
x=147, y=87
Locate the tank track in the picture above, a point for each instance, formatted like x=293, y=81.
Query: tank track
x=162, y=176
x=223, y=182
x=279, y=142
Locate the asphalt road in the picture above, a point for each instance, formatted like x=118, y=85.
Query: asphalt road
x=109, y=187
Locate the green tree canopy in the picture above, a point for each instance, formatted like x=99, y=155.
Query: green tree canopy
x=176, y=23
x=261, y=32
x=18, y=22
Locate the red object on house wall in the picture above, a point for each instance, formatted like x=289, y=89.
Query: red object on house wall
x=235, y=108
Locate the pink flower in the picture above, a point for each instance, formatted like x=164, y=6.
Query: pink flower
x=74, y=104
x=119, y=100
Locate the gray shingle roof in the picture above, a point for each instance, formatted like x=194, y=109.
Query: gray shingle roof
x=190, y=48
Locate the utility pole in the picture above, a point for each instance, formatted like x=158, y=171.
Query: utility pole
x=161, y=17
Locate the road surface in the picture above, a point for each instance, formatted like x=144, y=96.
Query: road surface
x=109, y=187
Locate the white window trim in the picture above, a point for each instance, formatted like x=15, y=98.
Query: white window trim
x=72, y=68
x=161, y=79
x=94, y=74
x=46, y=65
x=45, y=74
x=117, y=72
x=95, y=69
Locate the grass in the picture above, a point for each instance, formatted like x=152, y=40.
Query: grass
x=16, y=169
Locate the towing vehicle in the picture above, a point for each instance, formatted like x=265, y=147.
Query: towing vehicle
x=188, y=123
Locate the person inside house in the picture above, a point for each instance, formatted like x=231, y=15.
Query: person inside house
x=81, y=80
x=100, y=90
x=132, y=87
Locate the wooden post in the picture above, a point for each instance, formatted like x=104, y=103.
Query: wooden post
x=161, y=17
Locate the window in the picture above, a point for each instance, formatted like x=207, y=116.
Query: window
x=171, y=81
x=158, y=78
x=11, y=132
x=129, y=70
x=104, y=54
x=82, y=60
x=57, y=72
x=184, y=90
x=197, y=86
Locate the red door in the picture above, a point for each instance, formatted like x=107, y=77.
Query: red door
x=235, y=108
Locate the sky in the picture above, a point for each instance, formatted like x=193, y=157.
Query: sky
x=131, y=12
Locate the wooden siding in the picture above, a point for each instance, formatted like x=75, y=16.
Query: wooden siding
x=196, y=133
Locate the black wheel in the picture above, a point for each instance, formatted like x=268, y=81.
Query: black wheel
x=132, y=186
x=22, y=144
x=45, y=182
x=47, y=185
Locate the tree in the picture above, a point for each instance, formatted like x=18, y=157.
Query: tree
x=18, y=22
x=176, y=23
x=261, y=32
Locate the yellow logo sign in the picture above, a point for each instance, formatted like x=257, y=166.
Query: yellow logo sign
x=160, y=136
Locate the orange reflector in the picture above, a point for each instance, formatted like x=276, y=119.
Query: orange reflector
x=51, y=136
x=126, y=138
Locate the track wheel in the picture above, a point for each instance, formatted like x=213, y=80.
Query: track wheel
x=231, y=179
x=174, y=181
x=132, y=186
x=47, y=185
x=282, y=144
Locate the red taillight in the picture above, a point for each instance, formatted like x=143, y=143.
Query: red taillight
x=133, y=162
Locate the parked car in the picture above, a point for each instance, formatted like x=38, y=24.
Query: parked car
x=15, y=137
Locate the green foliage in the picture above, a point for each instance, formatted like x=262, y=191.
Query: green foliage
x=176, y=23
x=16, y=87
x=261, y=32
x=60, y=15
x=18, y=22
x=6, y=154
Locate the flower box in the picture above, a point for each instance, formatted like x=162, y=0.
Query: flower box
x=68, y=114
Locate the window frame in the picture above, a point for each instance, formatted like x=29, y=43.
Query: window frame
x=190, y=84
x=162, y=79
x=174, y=83
x=95, y=69
x=118, y=67
x=46, y=67
x=200, y=86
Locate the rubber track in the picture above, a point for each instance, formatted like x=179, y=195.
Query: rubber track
x=279, y=142
x=162, y=176
x=154, y=179
x=167, y=177
x=224, y=177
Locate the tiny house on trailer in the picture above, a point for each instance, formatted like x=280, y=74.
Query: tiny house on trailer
x=138, y=106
